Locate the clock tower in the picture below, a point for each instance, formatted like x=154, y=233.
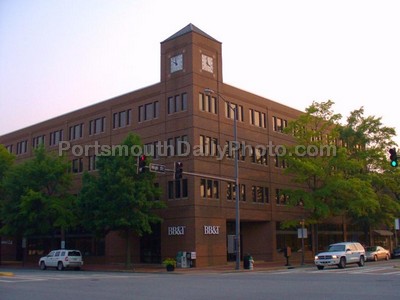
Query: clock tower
x=191, y=54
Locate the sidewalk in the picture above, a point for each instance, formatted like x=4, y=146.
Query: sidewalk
x=158, y=268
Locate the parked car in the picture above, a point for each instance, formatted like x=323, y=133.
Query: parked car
x=341, y=254
x=376, y=252
x=396, y=252
x=62, y=259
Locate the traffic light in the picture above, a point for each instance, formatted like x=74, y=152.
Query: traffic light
x=178, y=170
x=393, y=157
x=141, y=164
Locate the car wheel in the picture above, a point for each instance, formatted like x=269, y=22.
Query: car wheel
x=375, y=258
x=42, y=265
x=60, y=266
x=342, y=263
x=320, y=267
x=387, y=257
x=361, y=263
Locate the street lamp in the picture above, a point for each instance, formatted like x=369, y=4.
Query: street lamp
x=237, y=230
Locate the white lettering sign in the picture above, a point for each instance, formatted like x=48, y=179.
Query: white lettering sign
x=176, y=230
x=208, y=229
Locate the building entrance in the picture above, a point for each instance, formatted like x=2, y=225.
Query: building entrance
x=150, y=246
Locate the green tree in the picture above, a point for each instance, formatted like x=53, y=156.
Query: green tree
x=119, y=199
x=37, y=199
x=336, y=182
x=6, y=162
x=367, y=140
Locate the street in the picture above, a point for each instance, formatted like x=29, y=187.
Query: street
x=376, y=279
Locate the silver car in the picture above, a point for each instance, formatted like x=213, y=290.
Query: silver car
x=62, y=259
x=376, y=253
x=341, y=254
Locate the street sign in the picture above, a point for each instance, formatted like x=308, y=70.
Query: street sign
x=157, y=168
x=302, y=233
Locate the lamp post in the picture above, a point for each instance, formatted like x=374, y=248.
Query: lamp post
x=237, y=225
x=302, y=241
x=302, y=232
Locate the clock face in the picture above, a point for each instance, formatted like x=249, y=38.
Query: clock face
x=207, y=63
x=176, y=63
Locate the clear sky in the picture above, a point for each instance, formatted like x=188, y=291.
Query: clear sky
x=57, y=56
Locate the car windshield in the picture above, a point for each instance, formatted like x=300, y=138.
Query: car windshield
x=370, y=249
x=334, y=248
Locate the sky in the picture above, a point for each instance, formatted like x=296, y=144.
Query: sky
x=57, y=56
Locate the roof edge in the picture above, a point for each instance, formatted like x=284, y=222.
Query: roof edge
x=188, y=29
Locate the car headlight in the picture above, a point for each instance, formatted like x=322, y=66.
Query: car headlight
x=334, y=256
x=316, y=257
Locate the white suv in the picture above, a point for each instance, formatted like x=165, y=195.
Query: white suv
x=62, y=259
x=341, y=254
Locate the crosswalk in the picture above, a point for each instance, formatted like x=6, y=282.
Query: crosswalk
x=378, y=270
x=18, y=278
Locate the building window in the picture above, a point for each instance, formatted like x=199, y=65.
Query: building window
x=231, y=191
x=9, y=148
x=257, y=118
x=279, y=124
x=122, y=119
x=280, y=197
x=209, y=188
x=149, y=111
x=22, y=147
x=76, y=132
x=230, y=150
x=92, y=162
x=156, y=197
x=178, y=189
x=243, y=192
x=177, y=146
x=97, y=126
x=38, y=140
x=56, y=137
x=208, y=145
x=77, y=165
x=280, y=162
x=260, y=194
x=177, y=103
x=155, y=149
x=259, y=156
x=230, y=109
x=207, y=103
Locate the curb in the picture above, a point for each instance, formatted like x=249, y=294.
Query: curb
x=8, y=274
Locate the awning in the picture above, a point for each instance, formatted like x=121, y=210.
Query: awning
x=384, y=232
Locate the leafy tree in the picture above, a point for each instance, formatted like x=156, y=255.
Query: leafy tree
x=339, y=184
x=37, y=199
x=367, y=141
x=6, y=162
x=119, y=199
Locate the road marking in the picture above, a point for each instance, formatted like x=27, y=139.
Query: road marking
x=32, y=278
x=388, y=270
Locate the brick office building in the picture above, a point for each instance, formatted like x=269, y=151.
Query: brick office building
x=200, y=213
